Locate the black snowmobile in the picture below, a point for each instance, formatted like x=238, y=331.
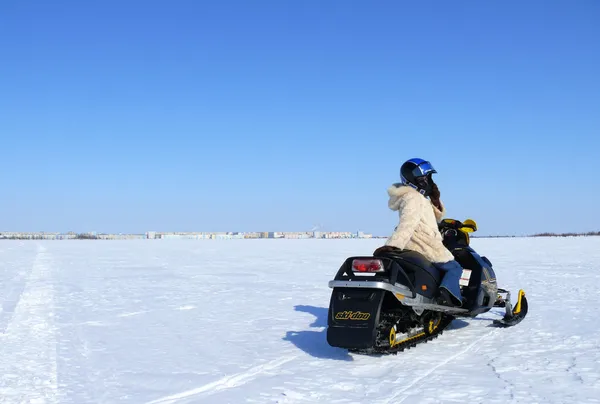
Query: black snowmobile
x=389, y=301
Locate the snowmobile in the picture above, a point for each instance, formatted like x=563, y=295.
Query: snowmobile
x=389, y=301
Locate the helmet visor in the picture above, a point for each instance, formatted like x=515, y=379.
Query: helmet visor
x=423, y=169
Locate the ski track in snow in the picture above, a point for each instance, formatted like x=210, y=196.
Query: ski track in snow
x=468, y=349
x=28, y=345
x=211, y=321
x=226, y=382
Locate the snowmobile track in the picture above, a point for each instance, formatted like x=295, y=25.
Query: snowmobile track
x=383, y=347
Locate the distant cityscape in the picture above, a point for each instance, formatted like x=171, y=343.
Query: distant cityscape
x=154, y=235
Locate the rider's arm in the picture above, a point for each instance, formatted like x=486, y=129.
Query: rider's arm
x=438, y=207
x=439, y=212
x=409, y=211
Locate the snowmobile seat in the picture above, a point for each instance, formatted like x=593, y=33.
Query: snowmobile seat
x=419, y=270
x=414, y=261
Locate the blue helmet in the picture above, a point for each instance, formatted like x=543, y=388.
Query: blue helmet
x=417, y=173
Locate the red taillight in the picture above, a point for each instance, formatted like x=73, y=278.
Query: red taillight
x=367, y=265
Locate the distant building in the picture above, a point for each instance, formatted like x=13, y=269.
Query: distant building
x=297, y=235
x=184, y=235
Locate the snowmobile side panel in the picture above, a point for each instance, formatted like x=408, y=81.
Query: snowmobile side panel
x=402, y=294
x=395, y=289
x=422, y=274
x=480, y=293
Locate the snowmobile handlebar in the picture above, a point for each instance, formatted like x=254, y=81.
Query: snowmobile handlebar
x=467, y=226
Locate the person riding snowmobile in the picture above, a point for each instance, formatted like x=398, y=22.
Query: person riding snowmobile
x=417, y=229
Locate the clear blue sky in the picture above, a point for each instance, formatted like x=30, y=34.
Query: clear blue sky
x=128, y=116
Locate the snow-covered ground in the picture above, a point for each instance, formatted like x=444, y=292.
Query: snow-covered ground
x=236, y=321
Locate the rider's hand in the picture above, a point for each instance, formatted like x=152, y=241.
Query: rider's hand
x=435, y=196
x=435, y=191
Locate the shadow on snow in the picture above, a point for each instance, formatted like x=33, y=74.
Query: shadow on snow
x=456, y=324
x=315, y=343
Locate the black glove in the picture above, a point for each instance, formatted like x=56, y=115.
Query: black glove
x=434, y=197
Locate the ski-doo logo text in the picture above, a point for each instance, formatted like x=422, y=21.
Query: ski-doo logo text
x=352, y=315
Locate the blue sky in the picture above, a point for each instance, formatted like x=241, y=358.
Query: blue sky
x=128, y=116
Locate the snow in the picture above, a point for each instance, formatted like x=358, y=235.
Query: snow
x=230, y=321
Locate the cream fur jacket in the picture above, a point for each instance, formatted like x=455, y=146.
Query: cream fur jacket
x=417, y=229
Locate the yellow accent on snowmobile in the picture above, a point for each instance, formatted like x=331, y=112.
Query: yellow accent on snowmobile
x=517, y=308
x=466, y=236
x=469, y=226
x=393, y=341
x=352, y=315
x=419, y=335
x=433, y=325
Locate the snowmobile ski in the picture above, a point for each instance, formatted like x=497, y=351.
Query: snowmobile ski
x=513, y=316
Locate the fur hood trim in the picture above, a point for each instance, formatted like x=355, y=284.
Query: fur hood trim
x=417, y=228
x=399, y=191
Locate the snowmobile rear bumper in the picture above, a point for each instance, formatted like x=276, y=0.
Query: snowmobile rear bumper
x=395, y=289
